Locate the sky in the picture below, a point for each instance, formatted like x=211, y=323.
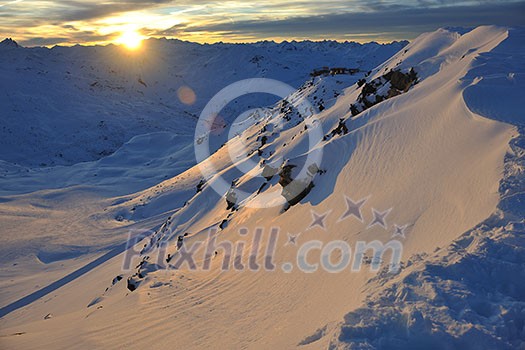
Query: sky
x=69, y=22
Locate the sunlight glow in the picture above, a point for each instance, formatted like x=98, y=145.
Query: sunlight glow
x=130, y=39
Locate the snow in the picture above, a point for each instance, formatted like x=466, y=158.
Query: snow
x=73, y=104
x=444, y=160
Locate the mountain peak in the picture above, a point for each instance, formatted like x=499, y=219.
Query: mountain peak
x=8, y=42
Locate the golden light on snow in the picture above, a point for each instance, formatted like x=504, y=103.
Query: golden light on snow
x=130, y=39
x=186, y=95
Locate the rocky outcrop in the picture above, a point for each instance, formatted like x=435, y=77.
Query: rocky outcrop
x=389, y=85
x=231, y=199
x=295, y=189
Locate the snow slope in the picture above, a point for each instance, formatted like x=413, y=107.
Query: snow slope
x=434, y=157
x=468, y=294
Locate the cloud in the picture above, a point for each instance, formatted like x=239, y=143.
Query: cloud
x=41, y=41
x=82, y=11
x=89, y=21
x=400, y=19
x=81, y=36
x=10, y=3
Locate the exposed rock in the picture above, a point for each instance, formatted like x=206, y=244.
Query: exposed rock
x=116, y=280
x=231, y=199
x=142, y=82
x=294, y=190
x=268, y=172
x=401, y=81
x=341, y=128
x=395, y=81
x=285, y=175
x=200, y=185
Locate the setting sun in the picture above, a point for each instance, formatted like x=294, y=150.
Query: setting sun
x=130, y=39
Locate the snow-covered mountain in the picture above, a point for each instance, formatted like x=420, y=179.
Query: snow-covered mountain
x=424, y=153
x=72, y=104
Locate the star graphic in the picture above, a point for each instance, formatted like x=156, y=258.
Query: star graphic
x=399, y=231
x=292, y=239
x=318, y=220
x=379, y=218
x=353, y=208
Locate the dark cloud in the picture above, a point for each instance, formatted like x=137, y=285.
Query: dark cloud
x=407, y=20
x=91, y=11
x=69, y=27
x=330, y=19
x=41, y=41
x=79, y=36
x=81, y=11
x=68, y=11
x=176, y=30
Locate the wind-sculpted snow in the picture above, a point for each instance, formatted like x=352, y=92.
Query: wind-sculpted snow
x=497, y=81
x=469, y=294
